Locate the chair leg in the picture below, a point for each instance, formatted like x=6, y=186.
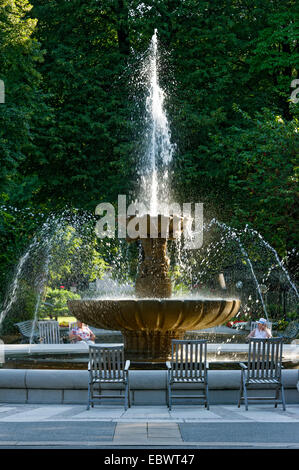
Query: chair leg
x=169, y=397
x=91, y=397
x=207, y=397
x=88, y=400
x=126, y=399
x=129, y=394
x=241, y=390
x=245, y=395
x=276, y=396
x=168, y=391
x=283, y=398
x=126, y=396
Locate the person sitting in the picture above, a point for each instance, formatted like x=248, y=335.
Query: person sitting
x=81, y=332
x=261, y=331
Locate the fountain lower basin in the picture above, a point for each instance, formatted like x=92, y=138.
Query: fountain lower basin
x=149, y=325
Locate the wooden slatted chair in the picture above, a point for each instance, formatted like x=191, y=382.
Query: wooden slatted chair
x=188, y=365
x=263, y=369
x=107, y=366
x=49, y=332
x=71, y=326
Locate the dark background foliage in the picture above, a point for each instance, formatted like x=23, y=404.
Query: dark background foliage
x=69, y=133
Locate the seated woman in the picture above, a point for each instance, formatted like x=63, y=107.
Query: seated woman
x=81, y=332
x=261, y=331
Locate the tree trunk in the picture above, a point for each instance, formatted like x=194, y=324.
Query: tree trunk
x=122, y=27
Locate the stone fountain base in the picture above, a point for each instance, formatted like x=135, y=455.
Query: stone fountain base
x=148, y=387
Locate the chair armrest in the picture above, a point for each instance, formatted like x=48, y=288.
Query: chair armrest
x=127, y=365
x=243, y=366
x=168, y=364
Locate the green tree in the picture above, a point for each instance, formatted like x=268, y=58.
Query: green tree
x=24, y=108
x=20, y=116
x=68, y=137
x=87, y=151
x=74, y=260
x=55, y=303
x=262, y=171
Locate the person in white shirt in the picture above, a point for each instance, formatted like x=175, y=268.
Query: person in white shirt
x=261, y=331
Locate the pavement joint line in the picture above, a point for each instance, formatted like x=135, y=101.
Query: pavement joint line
x=145, y=420
x=149, y=442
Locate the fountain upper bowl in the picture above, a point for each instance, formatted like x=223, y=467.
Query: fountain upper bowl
x=151, y=314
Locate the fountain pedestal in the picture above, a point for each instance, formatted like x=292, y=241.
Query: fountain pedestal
x=153, y=279
x=153, y=346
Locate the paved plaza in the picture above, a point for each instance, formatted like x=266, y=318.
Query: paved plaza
x=109, y=426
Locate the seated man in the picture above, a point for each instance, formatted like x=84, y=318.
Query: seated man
x=261, y=331
x=81, y=332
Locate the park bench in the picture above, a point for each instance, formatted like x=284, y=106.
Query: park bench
x=262, y=370
x=107, y=366
x=25, y=328
x=188, y=366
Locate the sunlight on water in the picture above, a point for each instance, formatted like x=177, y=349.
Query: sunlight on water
x=159, y=150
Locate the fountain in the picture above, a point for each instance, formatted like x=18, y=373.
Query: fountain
x=155, y=315
x=153, y=318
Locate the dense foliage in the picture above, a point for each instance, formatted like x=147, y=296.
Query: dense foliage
x=69, y=129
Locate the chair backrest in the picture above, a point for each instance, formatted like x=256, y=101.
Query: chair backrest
x=72, y=325
x=188, y=359
x=106, y=363
x=49, y=332
x=25, y=327
x=264, y=358
x=254, y=325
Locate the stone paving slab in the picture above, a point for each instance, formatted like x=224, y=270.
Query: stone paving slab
x=101, y=412
x=252, y=432
x=150, y=414
x=56, y=432
x=35, y=415
x=52, y=426
x=266, y=416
